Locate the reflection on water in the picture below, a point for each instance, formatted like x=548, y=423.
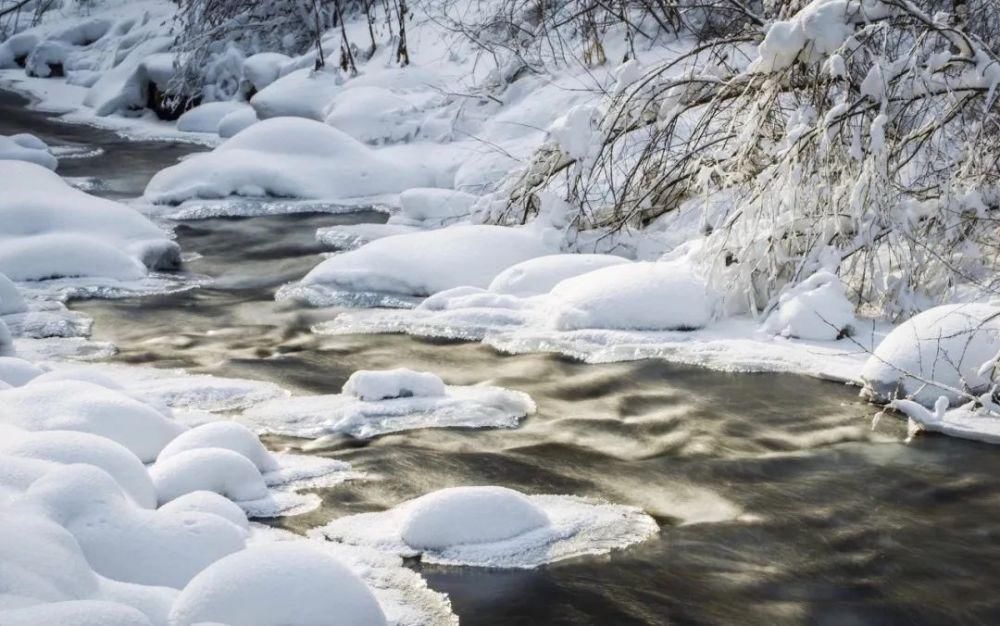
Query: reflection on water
x=778, y=502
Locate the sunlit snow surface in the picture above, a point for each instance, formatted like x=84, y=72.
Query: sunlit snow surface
x=577, y=527
x=460, y=407
x=402, y=593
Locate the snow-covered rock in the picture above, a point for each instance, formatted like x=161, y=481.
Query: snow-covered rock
x=226, y=435
x=417, y=265
x=208, y=502
x=207, y=117
x=49, y=229
x=817, y=308
x=16, y=372
x=373, y=115
x=11, y=300
x=236, y=121
x=16, y=48
x=287, y=158
x=302, y=93
x=218, y=470
x=27, y=148
x=48, y=59
x=284, y=583
x=634, y=296
x=495, y=527
x=539, y=276
x=940, y=352
x=262, y=69
x=370, y=385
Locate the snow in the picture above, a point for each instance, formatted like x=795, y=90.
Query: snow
x=45, y=56
x=432, y=207
x=236, y=121
x=287, y=158
x=277, y=584
x=218, y=470
x=302, y=93
x=495, y=527
x=540, y=275
x=39, y=213
x=86, y=407
x=373, y=115
x=262, y=69
x=27, y=148
x=207, y=117
x=817, y=308
x=76, y=613
x=17, y=372
x=469, y=515
x=372, y=386
x=478, y=406
x=634, y=296
x=224, y=435
x=936, y=353
x=417, y=265
x=208, y=502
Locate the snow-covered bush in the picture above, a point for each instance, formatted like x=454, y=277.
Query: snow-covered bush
x=816, y=308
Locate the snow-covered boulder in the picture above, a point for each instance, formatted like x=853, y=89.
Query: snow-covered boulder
x=68, y=447
x=16, y=372
x=236, y=122
x=11, y=300
x=283, y=157
x=48, y=59
x=432, y=206
x=76, y=613
x=125, y=87
x=15, y=50
x=418, y=264
x=373, y=115
x=219, y=470
x=260, y=70
x=302, y=93
x=49, y=230
x=225, y=435
x=633, y=296
x=207, y=117
x=940, y=352
x=817, y=308
x=85, y=407
x=283, y=583
x=27, y=148
x=494, y=527
x=127, y=543
x=370, y=385
x=538, y=276
x=208, y=502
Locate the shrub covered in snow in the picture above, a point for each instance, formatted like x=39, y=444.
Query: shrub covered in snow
x=817, y=308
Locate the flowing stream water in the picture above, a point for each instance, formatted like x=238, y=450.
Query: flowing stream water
x=778, y=502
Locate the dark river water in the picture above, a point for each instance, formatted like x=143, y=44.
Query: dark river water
x=778, y=503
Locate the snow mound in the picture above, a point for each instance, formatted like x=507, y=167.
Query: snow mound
x=207, y=117
x=16, y=372
x=126, y=543
x=262, y=69
x=416, y=265
x=373, y=115
x=75, y=613
x=539, y=276
x=236, y=122
x=11, y=300
x=939, y=352
x=302, y=93
x=27, y=148
x=86, y=407
x=469, y=515
x=285, y=158
x=633, y=296
x=76, y=447
x=15, y=50
x=495, y=527
x=459, y=407
x=371, y=386
x=432, y=207
x=283, y=583
x=218, y=470
x=817, y=308
x=225, y=435
x=40, y=213
x=208, y=502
